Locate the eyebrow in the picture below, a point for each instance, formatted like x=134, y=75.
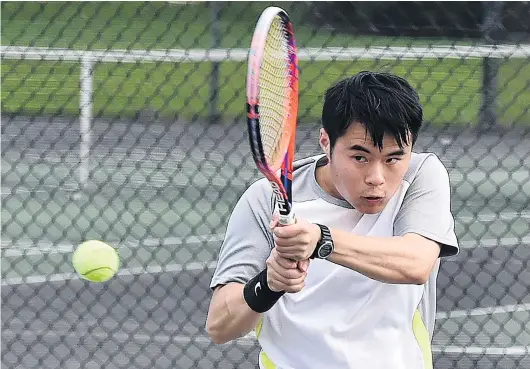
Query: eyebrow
x=399, y=152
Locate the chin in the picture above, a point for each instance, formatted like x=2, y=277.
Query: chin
x=365, y=208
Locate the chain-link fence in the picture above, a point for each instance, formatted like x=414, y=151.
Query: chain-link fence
x=124, y=122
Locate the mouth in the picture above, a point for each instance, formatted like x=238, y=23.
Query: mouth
x=373, y=199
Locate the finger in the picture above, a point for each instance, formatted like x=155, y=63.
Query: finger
x=286, y=274
x=276, y=256
x=274, y=281
x=294, y=289
x=278, y=262
x=293, y=253
x=285, y=262
x=292, y=275
x=274, y=221
x=274, y=286
x=286, y=253
x=280, y=282
x=287, y=231
x=299, y=239
x=303, y=265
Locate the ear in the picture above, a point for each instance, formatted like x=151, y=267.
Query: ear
x=325, y=143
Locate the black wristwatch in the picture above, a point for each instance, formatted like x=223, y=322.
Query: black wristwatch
x=325, y=245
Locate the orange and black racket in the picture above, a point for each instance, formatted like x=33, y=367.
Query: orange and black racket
x=272, y=104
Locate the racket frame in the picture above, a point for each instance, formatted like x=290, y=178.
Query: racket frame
x=282, y=184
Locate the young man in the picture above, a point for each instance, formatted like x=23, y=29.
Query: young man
x=353, y=283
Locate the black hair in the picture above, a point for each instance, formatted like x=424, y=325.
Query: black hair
x=384, y=103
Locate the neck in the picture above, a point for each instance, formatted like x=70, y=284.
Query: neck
x=323, y=177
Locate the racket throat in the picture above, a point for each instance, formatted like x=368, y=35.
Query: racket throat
x=282, y=205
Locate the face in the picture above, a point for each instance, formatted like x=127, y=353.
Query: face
x=362, y=174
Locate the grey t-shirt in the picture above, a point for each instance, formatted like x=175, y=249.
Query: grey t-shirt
x=248, y=241
x=342, y=318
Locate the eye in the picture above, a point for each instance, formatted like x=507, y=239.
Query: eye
x=393, y=160
x=360, y=158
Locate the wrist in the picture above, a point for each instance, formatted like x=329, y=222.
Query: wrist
x=325, y=244
x=258, y=295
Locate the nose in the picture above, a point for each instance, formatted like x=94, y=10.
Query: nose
x=375, y=176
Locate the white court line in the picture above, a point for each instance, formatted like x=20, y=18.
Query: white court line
x=51, y=249
x=159, y=338
x=20, y=190
x=474, y=350
x=490, y=217
x=244, y=341
x=479, y=176
x=483, y=311
x=494, y=242
x=30, y=248
x=196, y=266
x=58, y=277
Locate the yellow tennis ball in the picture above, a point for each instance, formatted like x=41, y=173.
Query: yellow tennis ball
x=95, y=261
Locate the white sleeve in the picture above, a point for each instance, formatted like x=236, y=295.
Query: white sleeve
x=248, y=240
x=426, y=208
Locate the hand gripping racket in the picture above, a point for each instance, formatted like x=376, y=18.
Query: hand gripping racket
x=272, y=104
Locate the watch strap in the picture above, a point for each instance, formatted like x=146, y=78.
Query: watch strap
x=325, y=234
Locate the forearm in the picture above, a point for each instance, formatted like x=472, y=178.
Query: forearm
x=229, y=316
x=407, y=259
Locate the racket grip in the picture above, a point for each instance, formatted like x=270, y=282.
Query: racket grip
x=287, y=219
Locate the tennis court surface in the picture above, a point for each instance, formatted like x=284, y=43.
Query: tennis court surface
x=108, y=132
x=154, y=311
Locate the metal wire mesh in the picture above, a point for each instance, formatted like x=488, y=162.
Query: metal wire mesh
x=124, y=122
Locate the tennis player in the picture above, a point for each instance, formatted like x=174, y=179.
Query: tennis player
x=373, y=221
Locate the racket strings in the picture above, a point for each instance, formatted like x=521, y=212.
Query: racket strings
x=273, y=91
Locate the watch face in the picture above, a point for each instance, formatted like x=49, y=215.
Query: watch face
x=325, y=249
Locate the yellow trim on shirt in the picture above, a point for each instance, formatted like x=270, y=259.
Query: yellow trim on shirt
x=418, y=327
x=263, y=357
x=258, y=327
x=266, y=361
x=422, y=337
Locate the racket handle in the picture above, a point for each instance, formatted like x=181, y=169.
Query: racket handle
x=287, y=219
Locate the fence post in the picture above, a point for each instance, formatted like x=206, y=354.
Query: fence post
x=214, y=80
x=85, y=119
x=492, y=21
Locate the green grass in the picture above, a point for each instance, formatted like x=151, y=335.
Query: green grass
x=450, y=89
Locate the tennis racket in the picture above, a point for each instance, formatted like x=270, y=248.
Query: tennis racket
x=272, y=104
